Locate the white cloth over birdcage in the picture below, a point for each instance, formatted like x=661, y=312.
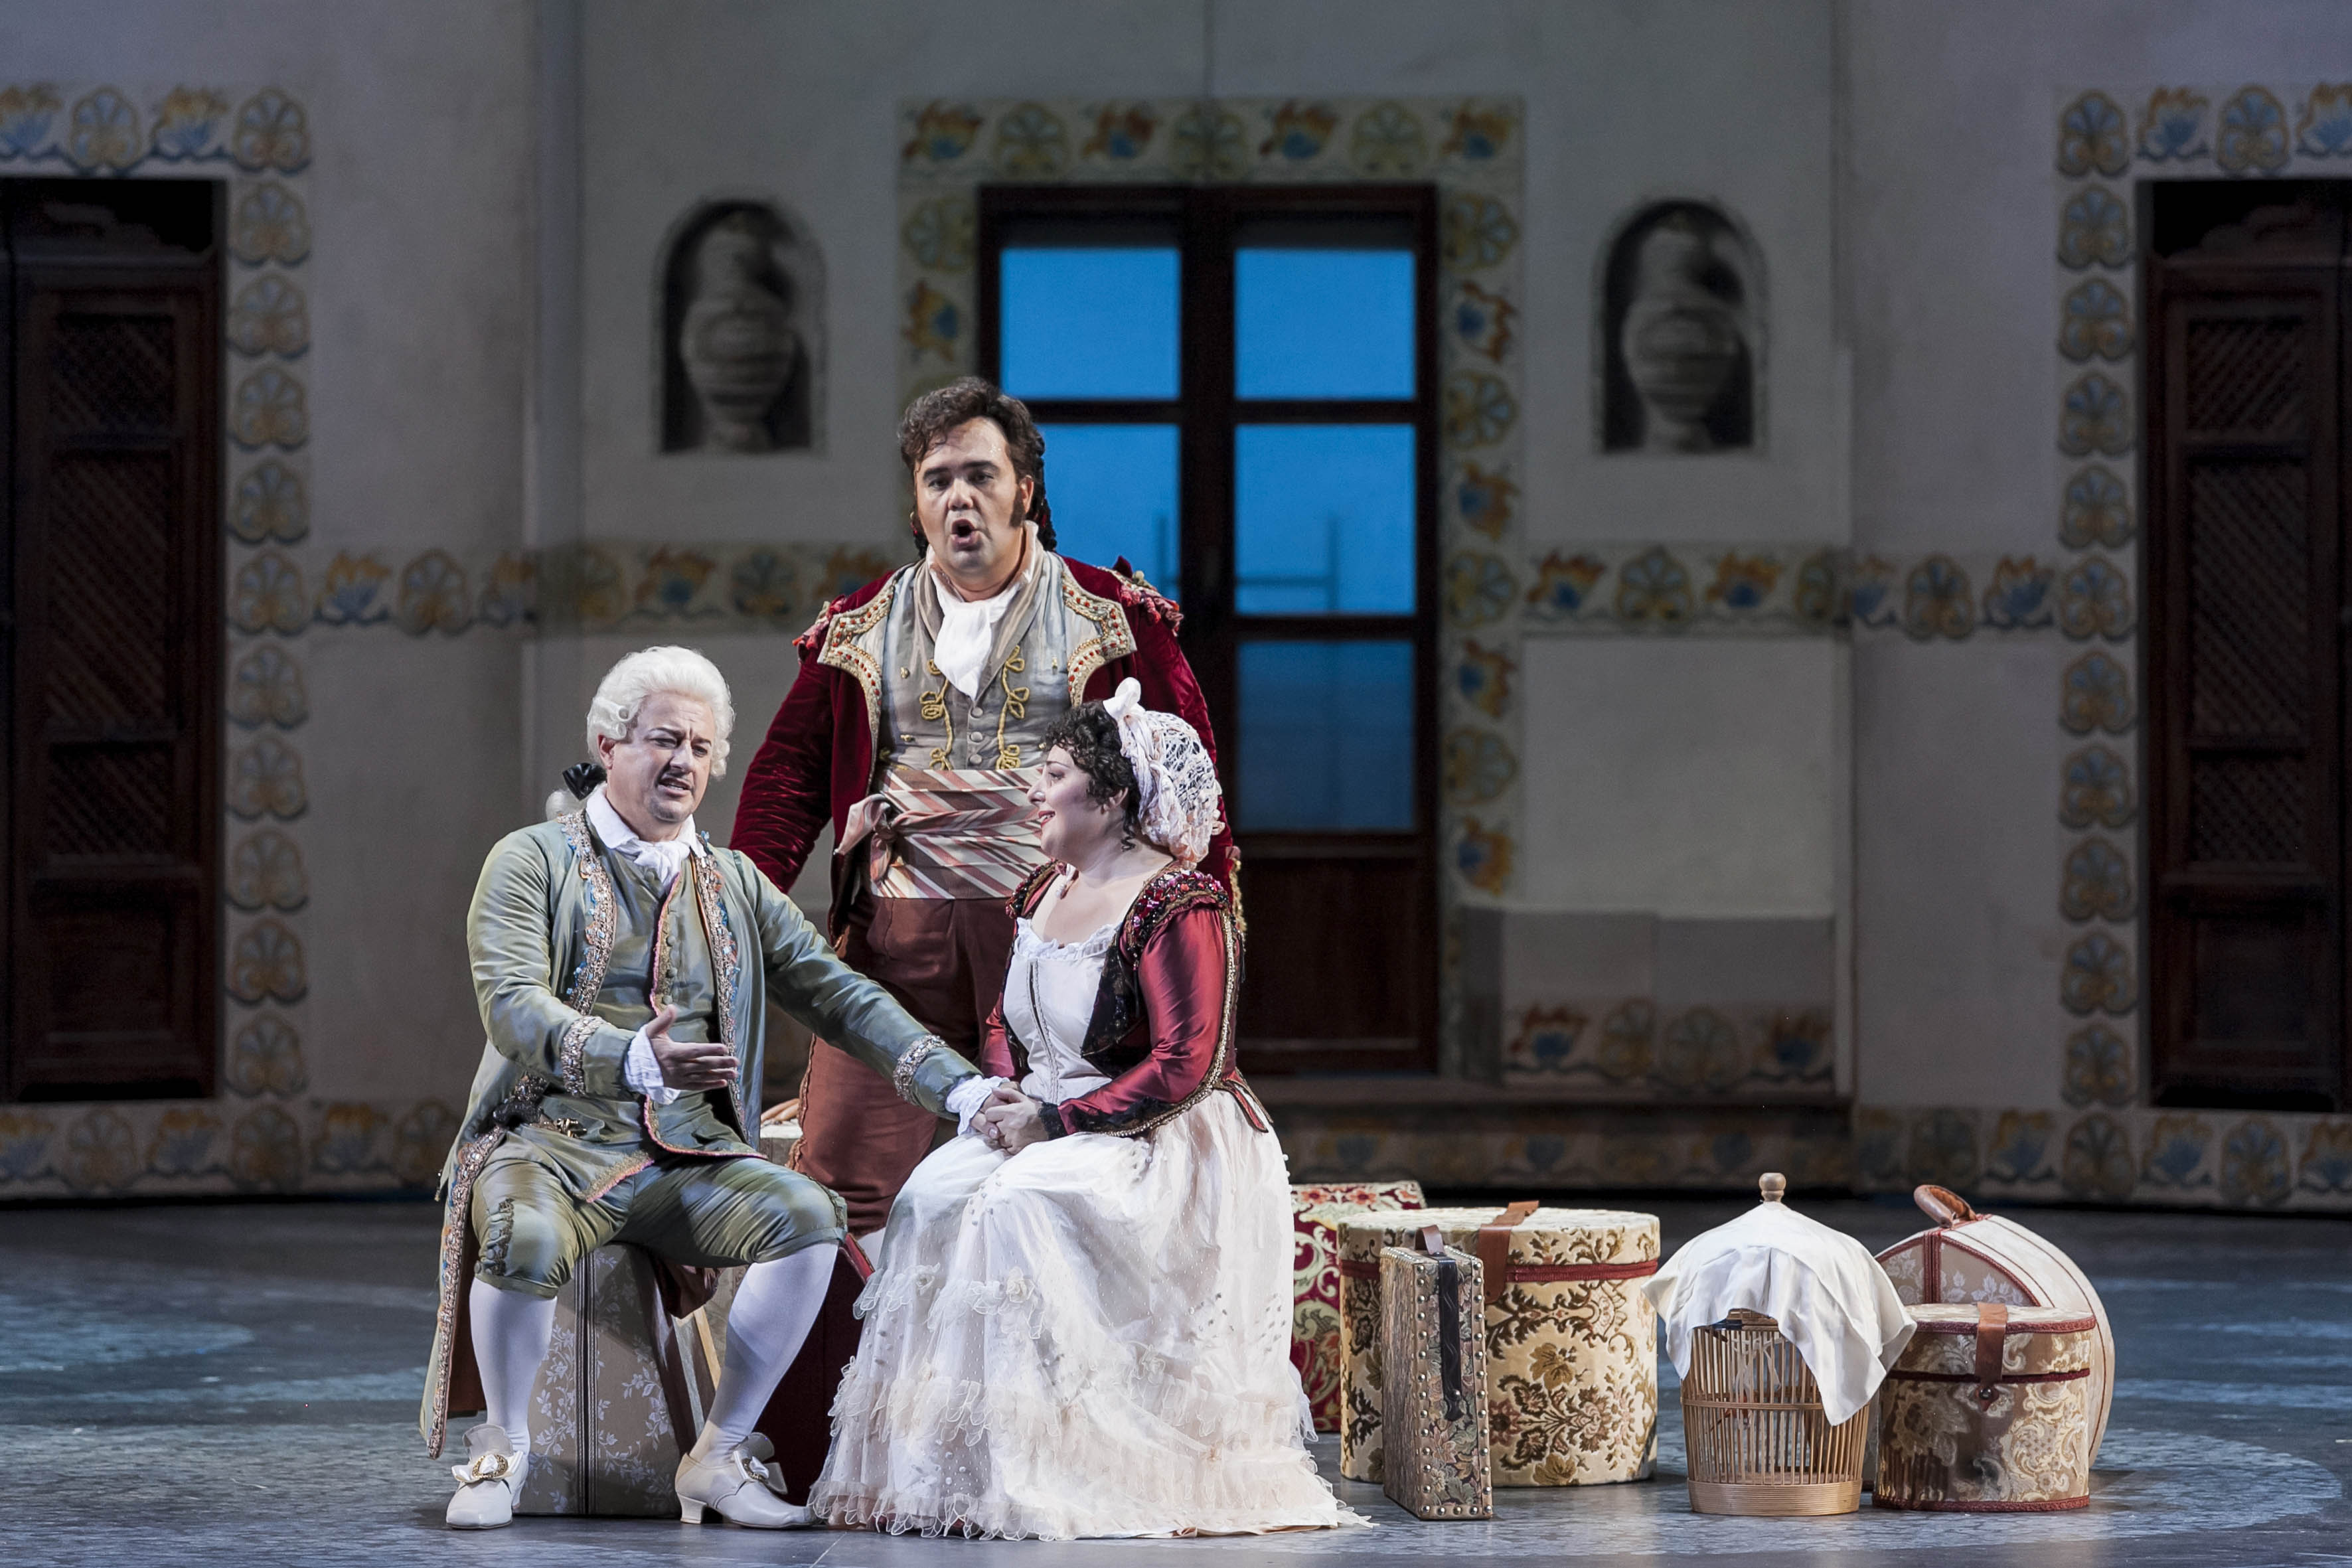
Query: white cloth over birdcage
x=1822, y=1288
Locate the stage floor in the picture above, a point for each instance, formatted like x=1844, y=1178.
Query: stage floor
x=236, y=1386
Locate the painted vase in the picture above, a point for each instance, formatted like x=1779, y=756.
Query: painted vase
x=736, y=340
x=1682, y=341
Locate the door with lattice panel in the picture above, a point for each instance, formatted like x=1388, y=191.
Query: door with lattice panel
x=2247, y=634
x=112, y=635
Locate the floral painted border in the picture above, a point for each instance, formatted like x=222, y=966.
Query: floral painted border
x=1558, y=1148
x=597, y=586
x=2121, y=1155
x=2104, y=1146
x=1806, y=589
x=260, y=140
x=1471, y=147
x=197, y=1147
x=1631, y=1050
x=2105, y=138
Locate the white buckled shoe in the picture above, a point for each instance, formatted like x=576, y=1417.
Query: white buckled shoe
x=738, y=1488
x=487, y=1481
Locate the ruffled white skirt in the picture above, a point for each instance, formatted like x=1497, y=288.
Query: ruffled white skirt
x=1088, y=1338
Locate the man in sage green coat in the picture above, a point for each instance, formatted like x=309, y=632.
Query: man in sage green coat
x=623, y=965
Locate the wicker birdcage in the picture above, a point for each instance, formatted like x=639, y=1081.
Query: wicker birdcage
x=1758, y=1440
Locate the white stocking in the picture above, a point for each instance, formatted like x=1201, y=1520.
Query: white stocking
x=773, y=1310
x=510, y=1334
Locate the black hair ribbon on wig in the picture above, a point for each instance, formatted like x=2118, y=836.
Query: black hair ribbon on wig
x=581, y=779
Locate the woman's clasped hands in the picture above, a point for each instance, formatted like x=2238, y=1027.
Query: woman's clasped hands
x=1009, y=1120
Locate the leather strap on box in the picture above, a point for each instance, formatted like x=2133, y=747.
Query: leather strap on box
x=1449, y=1322
x=1947, y=1209
x=1992, y=1332
x=1531, y=1273
x=1901, y=1374
x=1495, y=1247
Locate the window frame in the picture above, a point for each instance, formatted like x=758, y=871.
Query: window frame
x=1205, y=222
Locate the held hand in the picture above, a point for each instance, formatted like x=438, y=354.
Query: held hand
x=1011, y=1127
x=1004, y=1094
x=687, y=1067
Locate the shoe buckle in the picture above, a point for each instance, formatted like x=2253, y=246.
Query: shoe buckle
x=485, y=1467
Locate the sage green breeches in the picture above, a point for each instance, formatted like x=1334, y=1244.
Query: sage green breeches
x=709, y=1214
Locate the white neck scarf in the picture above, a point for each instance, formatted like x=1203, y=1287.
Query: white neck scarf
x=968, y=627
x=663, y=857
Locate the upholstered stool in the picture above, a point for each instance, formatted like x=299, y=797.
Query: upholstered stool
x=1567, y=1328
x=613, y=1407
x=1316, y=1212
x=1968, y=1258
x=1988, y=1411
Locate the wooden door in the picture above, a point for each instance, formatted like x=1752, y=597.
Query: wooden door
x=114, y=638
x=2245, y=651
x=1339, y=873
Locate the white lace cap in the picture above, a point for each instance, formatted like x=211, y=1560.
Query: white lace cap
x=1182, y=805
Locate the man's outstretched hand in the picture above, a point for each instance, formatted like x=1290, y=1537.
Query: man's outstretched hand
x=689, y=1066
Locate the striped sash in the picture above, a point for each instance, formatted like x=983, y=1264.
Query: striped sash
x=946, y=833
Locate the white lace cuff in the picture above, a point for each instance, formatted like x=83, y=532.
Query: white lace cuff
x=644, y=1073
x=967, y=1098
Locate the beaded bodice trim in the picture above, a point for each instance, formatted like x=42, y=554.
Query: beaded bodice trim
x=1118, y=999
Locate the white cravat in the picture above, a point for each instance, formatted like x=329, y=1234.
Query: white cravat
x=968, y=626
x=967, y=631
x=665, y=858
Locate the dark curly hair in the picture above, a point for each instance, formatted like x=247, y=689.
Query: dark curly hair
x=1091, y=737
x=929, y=417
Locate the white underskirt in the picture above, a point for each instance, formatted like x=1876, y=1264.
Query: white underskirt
x=1088, y=1338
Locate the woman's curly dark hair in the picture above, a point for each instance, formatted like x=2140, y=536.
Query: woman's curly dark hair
x=929, y=417
x=1091, y=737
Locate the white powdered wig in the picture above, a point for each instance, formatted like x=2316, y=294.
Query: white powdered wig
x=650, y=671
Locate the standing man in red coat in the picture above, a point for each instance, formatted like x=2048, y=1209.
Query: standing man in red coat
x=915, y=726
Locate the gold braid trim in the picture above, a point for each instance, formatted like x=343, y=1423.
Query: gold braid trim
x=1113, y=640
x=840, y=649
x=934, y=705
x=727, y=959
x=1015, y=706
x=1233, y=879
x=604, y=914
x=457, y=1218
x=571, y=1056
x=902, y=1075
x=596, y=955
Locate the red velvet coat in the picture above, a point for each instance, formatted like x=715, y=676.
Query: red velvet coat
x=818, y=758
x=1162, y=1029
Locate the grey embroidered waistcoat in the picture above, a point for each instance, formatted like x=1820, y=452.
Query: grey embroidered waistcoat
x=928, y=724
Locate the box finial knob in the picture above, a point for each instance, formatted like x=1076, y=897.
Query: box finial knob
x=1773, y=1186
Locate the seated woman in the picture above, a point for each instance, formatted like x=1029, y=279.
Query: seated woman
x=1081, y=1323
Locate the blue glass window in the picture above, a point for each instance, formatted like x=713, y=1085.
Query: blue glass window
x=1113, y=491
x=1323, y=323
x=1326, y=736
x=1323, y=518
x=1088, y=322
